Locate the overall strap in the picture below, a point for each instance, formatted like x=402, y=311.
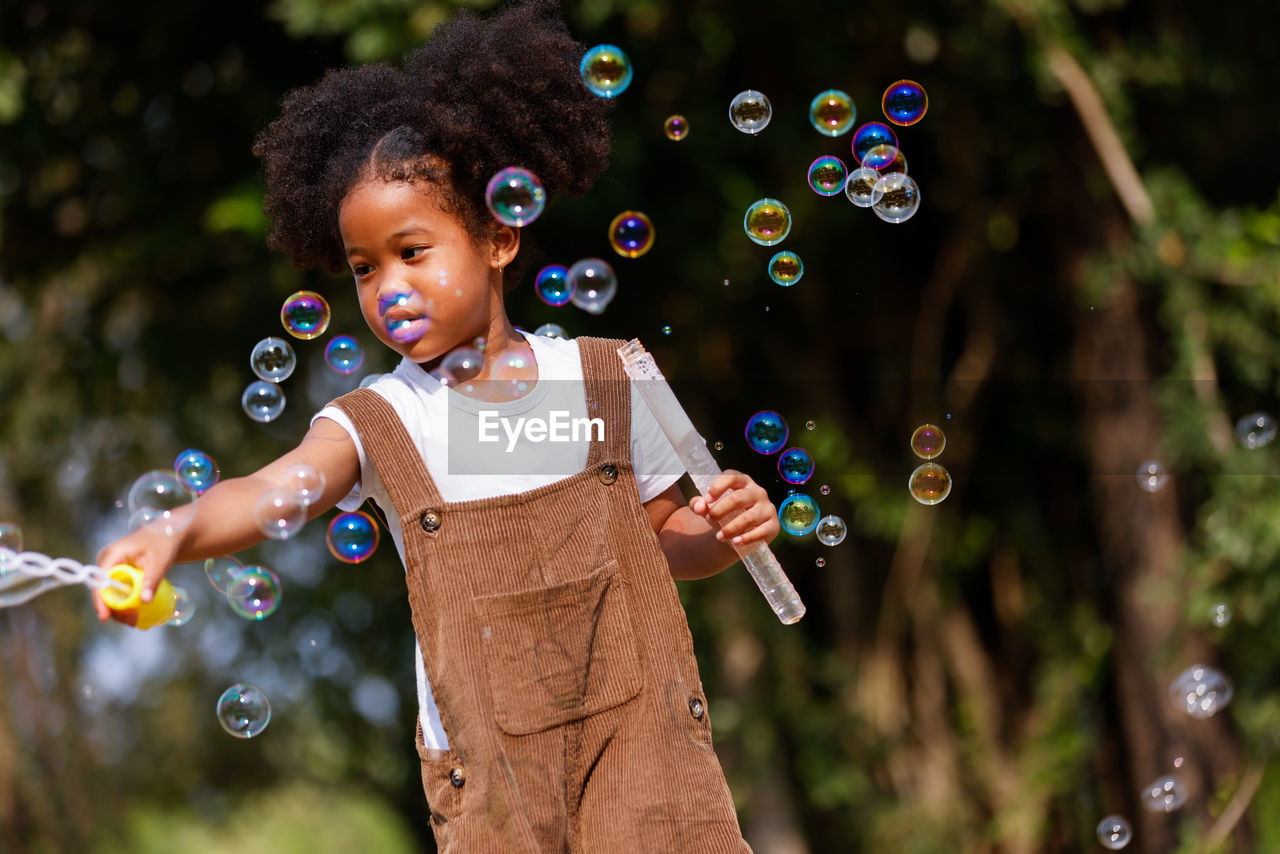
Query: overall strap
x=394, y=455
x=608, y=390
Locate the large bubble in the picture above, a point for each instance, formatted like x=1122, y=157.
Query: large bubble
x=273, y=359
x=606, y=70
x=904, y=102
x=305, y=315
x=515, y=196
x=750, y=111
x=352, y=537
x=767, y=432
x=767, y=221
x=243, y=710
x=594, y=284
x=832, y=112
x=631, y=234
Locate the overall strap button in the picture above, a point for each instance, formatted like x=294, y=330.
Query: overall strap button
x=430, y=521
x=608, y=473
x=695, y=708
x=457, y=776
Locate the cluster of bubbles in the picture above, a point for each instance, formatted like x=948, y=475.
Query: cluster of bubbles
x=590, y=283
x=767, y=433
x=352, y=537
x=930, y=483
x=1201, y=691
x=515, y=196
x=243, y=710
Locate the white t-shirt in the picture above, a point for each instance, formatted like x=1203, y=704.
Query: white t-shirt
x=519, y=460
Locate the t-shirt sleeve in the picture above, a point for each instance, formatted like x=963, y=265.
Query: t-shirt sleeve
x=357, y=495
x=656, y=464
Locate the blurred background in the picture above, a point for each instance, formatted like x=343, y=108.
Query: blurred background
x=1092, y=282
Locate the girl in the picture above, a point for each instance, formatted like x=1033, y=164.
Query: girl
x=560, y=703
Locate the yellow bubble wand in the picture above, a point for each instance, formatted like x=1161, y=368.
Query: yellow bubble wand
x=25, y=575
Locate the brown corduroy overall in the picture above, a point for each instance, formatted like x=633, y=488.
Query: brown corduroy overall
x=557, y=651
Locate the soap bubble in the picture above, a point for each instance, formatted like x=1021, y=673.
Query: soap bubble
x=352, y=537
x=862, y=187
x=1256, y=430
x=827, y=175
x=273, y=360
x=184, y=608
x=824, y=489
x=159, y=496
x=881, y=157
x=904, y=103
x=254, y=593
x=1201, y=691
x=552, y=284
x=515, y=196
x=305, y=315
x=1114, y=832
x=767, y=432
x=594, y=284
x=831, y=530
x=196, y=470
x=605, y=70
x=305, y=482
x=279, y=514
x=1164, y=794
x=1220, y=614
x=832, y=112
x=551, y=330
x=899, y=199
x=676, y=128
x=767, y=222
x=262, y=401
x=514, y=371
x=631, y=234
x=929, y=484
x=463, y=363
x=869, y=136
x=750, y=111
x=798, y=514
x=221, y=571
x=244, y=710
x=666, y=330
x=820, y=562
x=405, y=316
x=344, y=354
x=928, y=441
x=1152, y=476
x=786, y=268
x=795, y=465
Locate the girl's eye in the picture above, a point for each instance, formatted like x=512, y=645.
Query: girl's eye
x=361, y=269
x=412, y=252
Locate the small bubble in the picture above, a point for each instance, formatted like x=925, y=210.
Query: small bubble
x=1256, y=430
x=824, y=489
x=1201, y=691
x=676, y=128
x=666, y=330
x=1152, y=476
x=832, y=530
x=1114, y=832
x=719, y=446
x=809, y=425
x=1220, y=614
x=928, y=441
x=820, y=562
x=1164, y=794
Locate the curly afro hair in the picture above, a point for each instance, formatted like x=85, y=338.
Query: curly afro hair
x=480, y=95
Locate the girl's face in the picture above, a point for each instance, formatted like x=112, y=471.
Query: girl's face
x=425, y=286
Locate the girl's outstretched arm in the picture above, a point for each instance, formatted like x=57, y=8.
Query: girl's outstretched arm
x=221, y=521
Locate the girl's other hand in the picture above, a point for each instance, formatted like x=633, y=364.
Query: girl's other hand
x=740, y=507
x=151, y=551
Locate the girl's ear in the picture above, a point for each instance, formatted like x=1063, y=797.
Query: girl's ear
x=506, y=243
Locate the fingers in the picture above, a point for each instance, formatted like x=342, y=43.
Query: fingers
x=740, y=508
x=151, y=576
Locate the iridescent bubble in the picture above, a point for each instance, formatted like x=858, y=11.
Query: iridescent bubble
x=862, y=187
x=719, y=446
x=832, y=112
x=831, y=530
x=795, y=465
x=1201, y=691
x=551, y=330
x=552, y=284
x=880, y=157
x=767, y=222
x=158, y=497
x=1152, y=476
x=827, y=175
x=899, y=199
x=750, y=111
x=1220, y=614
x=928, y=441
x=1114, y=832
x=184, y=607
x=594, y=284
x=904, y=103
x=352, y=537
x=262, y=401
x=463, y=363
x=279, y=514
x=676, y=128
x=929, y=484
x=305, y=482
x=606, y=70
x=1164, y=794
x=824, y=489
x=869, y=136
x=305, y=315
x=221, y=571
x=514, y=371
x=196, y=470
x=897, y=164
x=273, y=359
x=1256, y=430
x=515, y=196
x=820, y=562
x=254, y=593
x=631, y=234
x=809, y=425
x=244, y=710
x=344, y=354
x=767, y=432
x=786, y=268
x=798, y=514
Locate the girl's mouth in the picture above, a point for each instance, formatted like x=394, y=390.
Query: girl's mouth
x=405, y=327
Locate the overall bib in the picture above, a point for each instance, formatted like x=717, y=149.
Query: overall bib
x=557, y=651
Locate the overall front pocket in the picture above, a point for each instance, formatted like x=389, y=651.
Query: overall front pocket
x=560, y=653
